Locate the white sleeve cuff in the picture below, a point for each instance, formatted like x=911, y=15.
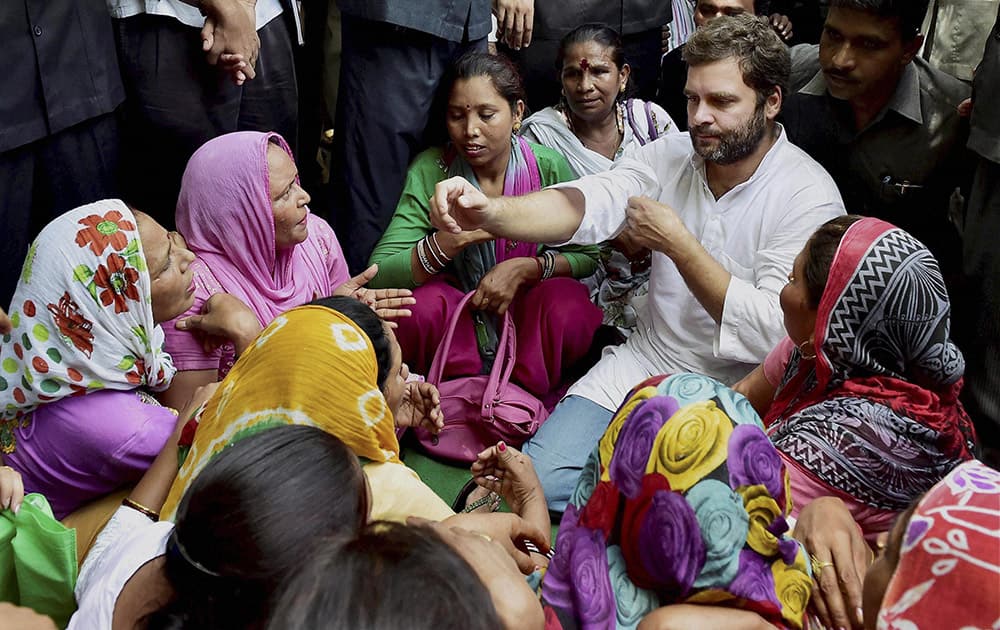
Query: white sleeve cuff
x=751, y=324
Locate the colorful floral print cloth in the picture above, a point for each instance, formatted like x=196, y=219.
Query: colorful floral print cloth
x=82, y=317
x=684, y=500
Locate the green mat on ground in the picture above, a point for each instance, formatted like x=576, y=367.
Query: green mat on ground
x=444, y=479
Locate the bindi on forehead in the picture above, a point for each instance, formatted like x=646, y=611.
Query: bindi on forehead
x=584, y=63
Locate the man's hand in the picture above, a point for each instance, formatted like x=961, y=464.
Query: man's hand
x=230, y=36
x=782, y=26
x=458, y=205
x=234, y=66
x=965, y=108
x=655, y=226
x=5, y=324
x=515, y=19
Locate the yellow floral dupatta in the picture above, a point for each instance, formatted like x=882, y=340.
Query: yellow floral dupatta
x=310, y=366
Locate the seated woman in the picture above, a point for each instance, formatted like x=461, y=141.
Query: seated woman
x=243, y=528
x=85, y=348
x=679, y=520
x=594, y=125
x=867, y=409
x=242, y=212
x=339, y=370
x=458, y=579
x=910, y=585
x=337, y=366
x=555, y=322
x=944, y=542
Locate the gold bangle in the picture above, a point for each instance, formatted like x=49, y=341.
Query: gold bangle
x=152, y=515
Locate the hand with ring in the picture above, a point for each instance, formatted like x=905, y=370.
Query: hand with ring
x=818, y=566
x=839, y=557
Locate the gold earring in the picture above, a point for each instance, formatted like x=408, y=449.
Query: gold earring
x=802, y=346
x=517, y=126
x=621, y=90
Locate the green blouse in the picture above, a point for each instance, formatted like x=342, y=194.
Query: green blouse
x=411, y=222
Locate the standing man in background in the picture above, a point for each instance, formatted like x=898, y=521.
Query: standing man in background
x=394, y=55
x=981, y=255
x=639, y=22
x=58, y=127
x=180, y=95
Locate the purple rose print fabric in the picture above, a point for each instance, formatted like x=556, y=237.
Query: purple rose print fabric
x=684, y=501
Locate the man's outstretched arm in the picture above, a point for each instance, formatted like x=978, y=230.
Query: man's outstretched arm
x=546, y=216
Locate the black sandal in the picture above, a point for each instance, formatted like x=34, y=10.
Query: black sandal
x=459, y=507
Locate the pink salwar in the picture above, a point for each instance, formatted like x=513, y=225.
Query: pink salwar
x=555, y=324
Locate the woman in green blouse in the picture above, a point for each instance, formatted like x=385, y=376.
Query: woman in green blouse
x=555, y=321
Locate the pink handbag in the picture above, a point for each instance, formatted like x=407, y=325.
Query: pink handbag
x=479, y=411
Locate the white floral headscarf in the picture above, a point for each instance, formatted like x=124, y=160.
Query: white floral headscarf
x=82, y=317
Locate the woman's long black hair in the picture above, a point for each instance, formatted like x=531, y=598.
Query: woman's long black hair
x=251, y=518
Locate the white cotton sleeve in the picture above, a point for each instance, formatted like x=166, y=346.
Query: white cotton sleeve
x=606, y=198
x=752, y=322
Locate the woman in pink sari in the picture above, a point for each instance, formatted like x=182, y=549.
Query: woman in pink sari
x=554, y=318
x=243, y=213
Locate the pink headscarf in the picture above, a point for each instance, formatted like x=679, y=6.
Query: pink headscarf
x=224, y=212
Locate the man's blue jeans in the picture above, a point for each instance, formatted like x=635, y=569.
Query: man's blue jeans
x=561, y=447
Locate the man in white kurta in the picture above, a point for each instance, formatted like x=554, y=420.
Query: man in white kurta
x=725, y=210
x=754, y=231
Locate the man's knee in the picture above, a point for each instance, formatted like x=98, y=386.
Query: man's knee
x=560, y=448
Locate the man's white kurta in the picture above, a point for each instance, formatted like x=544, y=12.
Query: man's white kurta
x=754, y=231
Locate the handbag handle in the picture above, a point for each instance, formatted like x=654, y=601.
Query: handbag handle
x=503, y=367
x=437, y=363
x=503, y=364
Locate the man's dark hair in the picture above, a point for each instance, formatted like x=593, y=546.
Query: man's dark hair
x=764, y=59
x=910, y=13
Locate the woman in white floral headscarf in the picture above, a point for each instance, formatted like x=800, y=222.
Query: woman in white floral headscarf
x=85, y=346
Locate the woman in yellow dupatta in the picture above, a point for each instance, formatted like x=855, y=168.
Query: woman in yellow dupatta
x=313, y=366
